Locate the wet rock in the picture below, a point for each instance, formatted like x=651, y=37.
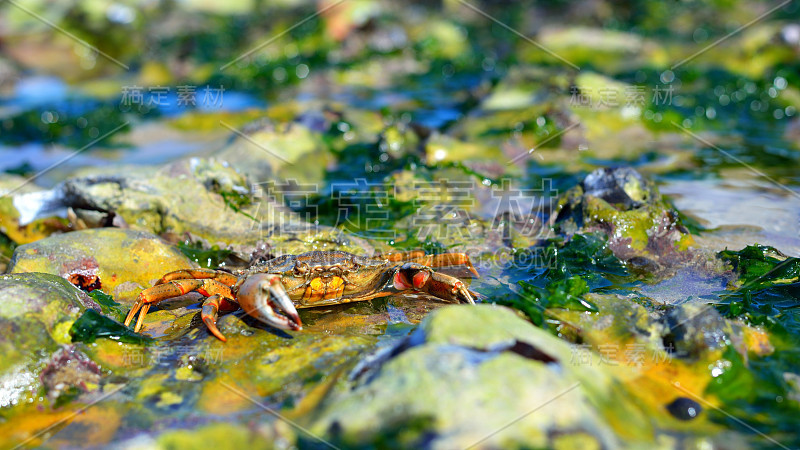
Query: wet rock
x=523, y=111
x=14, y=221
x=611, y=50
x=267, y=150
x=118, y=261
x=692, y=330
x=467, y=373
x=399, y=140
x=622, y=319
x=623, y=187
x=633, y=331
x=36, y=314
x=759, y=49
x=640, y=226
x=48, y=300
x=69, y=373
x=478, y=157
x=201, y=199
x=220, y=435
x=793, y=380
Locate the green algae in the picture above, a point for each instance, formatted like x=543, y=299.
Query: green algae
x=438, y=95
x=92, y=325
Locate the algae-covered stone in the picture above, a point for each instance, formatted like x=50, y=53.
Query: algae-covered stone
x=201, y=197
x=118, y=261
x=36, y=313
x=467, y=373
x=221, y=435
x=695, y=329
x=14, y=222
x=69, y=373
x=204, y=199
x=582, y=46
x=264, y=150
x=478, y=157
x=641, y=227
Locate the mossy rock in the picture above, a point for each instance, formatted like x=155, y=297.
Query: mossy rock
x=36, y=314
x=118, y=261
x=641, y=227
x=268, y=151
x=469, y=372
x=10, y=224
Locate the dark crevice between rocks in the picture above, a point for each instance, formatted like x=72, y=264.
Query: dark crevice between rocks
x=403, y=431
x=527, y=350
x=369, y=366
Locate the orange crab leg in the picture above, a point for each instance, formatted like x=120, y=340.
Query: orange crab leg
x=223, y=277
x=446, y=260
x=441, y=260
x=210, y=312
x=402, y=256
x=172, y=289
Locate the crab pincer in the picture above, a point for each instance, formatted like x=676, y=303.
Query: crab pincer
x=263, y=296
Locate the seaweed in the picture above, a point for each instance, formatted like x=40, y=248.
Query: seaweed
x=208, y=258
x=769, y=291
x=570, y=270
x=237, y=202
x=106, y=302
x=760, y=389
x=92, y=325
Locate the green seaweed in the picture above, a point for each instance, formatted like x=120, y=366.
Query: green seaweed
x=92, y=325
x=238, y=202
x=769, y=290
x=207, y=257
x=107, y=303
x=564, y=294
x=570, y=270
x=758, y=389
x=102, y=117
x=760, y=266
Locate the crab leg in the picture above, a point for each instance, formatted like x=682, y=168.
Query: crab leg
x=446, y=260
x=422, y=278
x=172, y=289
x=402, y=256
x=209, y=314
x=441, y=260
x=228, y=279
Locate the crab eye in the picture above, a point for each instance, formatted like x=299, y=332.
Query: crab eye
x=300, y=269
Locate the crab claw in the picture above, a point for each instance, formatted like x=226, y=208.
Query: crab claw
x=425, y=279
x=263, y=296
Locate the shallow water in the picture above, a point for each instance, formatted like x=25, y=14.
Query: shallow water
x=376, y=109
